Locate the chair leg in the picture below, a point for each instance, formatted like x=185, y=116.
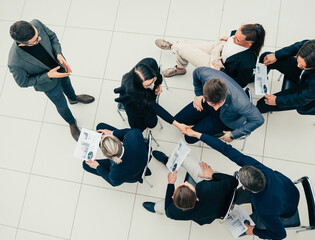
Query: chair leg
x=165, y=84
x=304, y=229
x=120, y=115
x=161, y=126
x=155, y=141
x=244, y=142
x=145, y=179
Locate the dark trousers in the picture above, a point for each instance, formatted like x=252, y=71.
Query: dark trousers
x=288, y=67
x=207, y=121
x=105, y=163
x=56, y=95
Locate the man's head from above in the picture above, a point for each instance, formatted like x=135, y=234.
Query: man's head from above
x=185, y=196
x=24, y=33
x=215, y=92
x=250, y=36
x=252, y=179
x=306, y=56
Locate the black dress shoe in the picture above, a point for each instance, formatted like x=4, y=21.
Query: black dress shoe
x=160, y=156
x=148, y=172
x=75, y=131
x=149, y=206
x=83, y=98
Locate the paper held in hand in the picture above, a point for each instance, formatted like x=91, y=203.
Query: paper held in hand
x=178, y=156
x=261, y=80
x=87, y=145
x=235, y=221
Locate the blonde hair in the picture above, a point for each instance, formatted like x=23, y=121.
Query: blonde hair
x=112, y=148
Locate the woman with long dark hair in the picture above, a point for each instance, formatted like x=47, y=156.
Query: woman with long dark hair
x=139, y=91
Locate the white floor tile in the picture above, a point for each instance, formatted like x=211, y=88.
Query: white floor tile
x=147, y=225
x=48, y=12
x=142, y=16
x=5, y=42
x=262, y=12
x=212, y=232
x=96, y=217
x=127, y=50
x=83, y=113
x=86, y=51
x=3, y=71
x=21, y=102
x=26, y=235
x=98, y=14
x=11, y=10
x=7, y=233
x=294, y=15
x=54, y=155
x=159, y=172
x=13, y=186
x=195, y=19
x=20, y=142
x=290, y=136
x=49, y=206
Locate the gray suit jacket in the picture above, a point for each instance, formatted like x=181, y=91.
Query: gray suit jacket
x=29, y=71
x=237, y=112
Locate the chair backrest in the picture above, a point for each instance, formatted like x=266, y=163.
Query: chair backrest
x=232, y=199
x=309, y=195
x=149, y=153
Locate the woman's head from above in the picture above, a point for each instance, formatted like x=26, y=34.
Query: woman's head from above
x=112, y=148
x=250, y=36
x=145, y=76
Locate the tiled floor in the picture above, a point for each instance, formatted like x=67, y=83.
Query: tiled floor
x=45, y=195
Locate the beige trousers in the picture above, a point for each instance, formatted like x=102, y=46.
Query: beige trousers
x=192, y=166
x=200, y=54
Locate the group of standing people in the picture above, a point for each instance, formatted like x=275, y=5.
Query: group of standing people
x=220, y=112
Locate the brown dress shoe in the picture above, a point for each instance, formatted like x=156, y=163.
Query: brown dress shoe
x=83, y=98
x=75, y=131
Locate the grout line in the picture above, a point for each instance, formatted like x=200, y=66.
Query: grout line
x=288, y=160
x=279, y=15
x=265, y=137
x=44, y=234
x=76, y=207
x=133, y=210
x=4, y=79
x=221, y=20
x=190, y=225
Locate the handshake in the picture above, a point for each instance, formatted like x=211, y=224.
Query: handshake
x=184, y=129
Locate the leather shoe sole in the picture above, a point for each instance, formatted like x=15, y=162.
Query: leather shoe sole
x=75, y=131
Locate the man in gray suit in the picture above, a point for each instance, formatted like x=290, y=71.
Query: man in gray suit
x=35, y=59
x=221, y=107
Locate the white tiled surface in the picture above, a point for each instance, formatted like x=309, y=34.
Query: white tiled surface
x=44, y=192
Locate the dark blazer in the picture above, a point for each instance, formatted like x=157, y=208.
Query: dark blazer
x=133, y=162
x=130, y=100
x=29, y=71
x=237, y=112
x=214, y=199
x=279, y=198
x=241, y=66
x=302, y=96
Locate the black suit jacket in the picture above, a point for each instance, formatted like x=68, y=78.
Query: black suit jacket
x=214, y=199
x=241, y=66
x=301, y=96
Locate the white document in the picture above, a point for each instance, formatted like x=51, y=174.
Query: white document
x=178, y=156
x=261, y=80
x=87, y=145
x=235, y=221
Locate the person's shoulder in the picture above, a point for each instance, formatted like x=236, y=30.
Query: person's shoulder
x=13, y=55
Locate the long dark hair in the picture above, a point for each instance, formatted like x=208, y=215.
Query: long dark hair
x=255, y=33
x=133, y=84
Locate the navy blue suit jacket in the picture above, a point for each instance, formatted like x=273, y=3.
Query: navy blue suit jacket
x=279, y=198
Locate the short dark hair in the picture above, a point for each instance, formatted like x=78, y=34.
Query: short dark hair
x=255, y=33
x=252, y=178
x=22, y=31
x=307, y=52
x=184, y=198
x=215, y=91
